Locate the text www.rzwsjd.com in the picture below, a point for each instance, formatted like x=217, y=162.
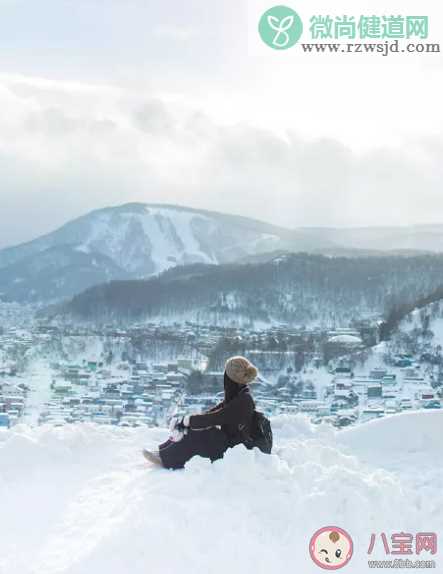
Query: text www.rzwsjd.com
x=383, y=48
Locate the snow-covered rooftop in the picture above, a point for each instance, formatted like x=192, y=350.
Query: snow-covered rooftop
x=345, y=339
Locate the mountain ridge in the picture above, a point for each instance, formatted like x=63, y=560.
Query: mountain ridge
x=140, y=240
x=297, y=289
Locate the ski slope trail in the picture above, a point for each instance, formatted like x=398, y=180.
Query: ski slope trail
x=80, y=499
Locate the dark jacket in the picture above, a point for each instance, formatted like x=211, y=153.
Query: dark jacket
x=233, y=415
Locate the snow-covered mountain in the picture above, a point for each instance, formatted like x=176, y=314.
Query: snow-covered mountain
x=138, y=240
x=134, y=241
x=80, y=499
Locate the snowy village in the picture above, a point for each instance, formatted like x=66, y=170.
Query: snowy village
x=146, y=374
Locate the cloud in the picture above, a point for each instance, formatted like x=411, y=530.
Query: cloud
x=68, y=148
x=105, y=102
x=153, y=117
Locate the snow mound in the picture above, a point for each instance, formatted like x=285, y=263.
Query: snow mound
x=80, y=499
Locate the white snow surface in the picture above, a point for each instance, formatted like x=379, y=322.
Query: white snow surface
x=162, y=227
x=80, y=499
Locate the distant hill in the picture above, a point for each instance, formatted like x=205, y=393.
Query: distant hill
x=413, y=238
x=297, y=289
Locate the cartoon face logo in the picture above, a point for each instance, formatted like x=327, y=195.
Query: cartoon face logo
x=331, y=548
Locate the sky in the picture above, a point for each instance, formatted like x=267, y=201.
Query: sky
x=104, y=102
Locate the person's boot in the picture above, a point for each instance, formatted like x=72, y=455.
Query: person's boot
x=153, y=457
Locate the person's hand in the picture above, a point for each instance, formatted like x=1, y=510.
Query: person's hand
x=179, y=423
x=183, y=423
x=173, y=423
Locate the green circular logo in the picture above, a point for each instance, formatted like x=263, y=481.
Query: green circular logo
x=280, y=27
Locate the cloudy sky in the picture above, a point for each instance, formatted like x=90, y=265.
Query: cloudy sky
x=110, y=101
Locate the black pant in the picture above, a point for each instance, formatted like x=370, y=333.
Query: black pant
x=210, y=443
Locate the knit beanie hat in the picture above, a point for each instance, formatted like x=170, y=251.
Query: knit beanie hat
x=240, y=370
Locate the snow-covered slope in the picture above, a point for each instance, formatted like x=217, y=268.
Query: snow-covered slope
x=425, y=324
x=80, y=500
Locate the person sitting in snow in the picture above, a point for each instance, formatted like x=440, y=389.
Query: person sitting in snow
x=224, y=426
